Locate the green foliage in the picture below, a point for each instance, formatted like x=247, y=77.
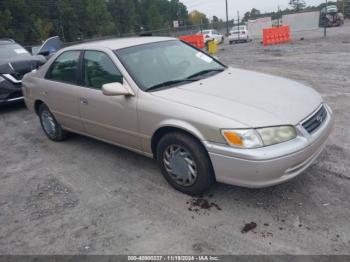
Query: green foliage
x=32, y=21
x=253, y=14
x=98, y=20
x=155, y=20
x=297, y=5
x=198, y=18
x=6, y=18
x=123, y=15
x=42, y=29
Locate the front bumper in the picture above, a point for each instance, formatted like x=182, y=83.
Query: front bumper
x=272, y=165
x=10, y=92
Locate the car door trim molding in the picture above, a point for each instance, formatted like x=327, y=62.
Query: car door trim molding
x=87, y=121
x=110, y=142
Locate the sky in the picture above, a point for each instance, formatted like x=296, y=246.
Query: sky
x=217, y=7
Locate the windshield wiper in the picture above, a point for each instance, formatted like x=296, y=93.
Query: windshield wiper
x=170, y=83
x=204, y=72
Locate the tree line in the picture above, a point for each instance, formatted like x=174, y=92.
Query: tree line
x=32, y=21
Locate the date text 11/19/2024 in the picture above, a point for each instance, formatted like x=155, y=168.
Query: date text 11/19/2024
x=173, y=258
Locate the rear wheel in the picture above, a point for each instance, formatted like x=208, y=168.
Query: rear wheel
x=185, y=163
x=51, y=127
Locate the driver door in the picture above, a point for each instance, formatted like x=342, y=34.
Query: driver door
x=109, y=118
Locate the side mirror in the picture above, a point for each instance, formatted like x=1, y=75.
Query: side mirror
x=115, y=89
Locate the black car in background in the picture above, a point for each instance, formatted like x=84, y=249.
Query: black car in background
x=15, y=62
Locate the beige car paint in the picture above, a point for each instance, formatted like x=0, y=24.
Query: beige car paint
x=232, y=99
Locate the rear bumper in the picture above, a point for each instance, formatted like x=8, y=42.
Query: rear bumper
x=263, y=167
x=240, y=38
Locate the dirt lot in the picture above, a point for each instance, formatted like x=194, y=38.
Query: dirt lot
x=88, y=197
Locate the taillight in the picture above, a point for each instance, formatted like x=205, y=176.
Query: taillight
x=243, y=33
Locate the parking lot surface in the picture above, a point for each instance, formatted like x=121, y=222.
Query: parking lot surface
x=83, y=196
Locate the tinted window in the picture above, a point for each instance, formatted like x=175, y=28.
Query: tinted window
x=65, y=68
x=99, y=70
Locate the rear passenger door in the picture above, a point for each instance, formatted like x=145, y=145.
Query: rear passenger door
x=110, y=118
x=62, y=91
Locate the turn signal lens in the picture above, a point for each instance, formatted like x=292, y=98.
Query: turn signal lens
x=233, y=138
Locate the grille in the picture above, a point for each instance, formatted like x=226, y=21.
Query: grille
x=316, y=121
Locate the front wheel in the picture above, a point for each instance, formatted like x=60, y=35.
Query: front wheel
x=185, y=163
x=51, y=127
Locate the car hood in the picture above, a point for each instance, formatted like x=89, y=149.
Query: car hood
x=251, y=98
x=21, y=65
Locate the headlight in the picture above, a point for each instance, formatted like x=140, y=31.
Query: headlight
x=255, y=138
x=247, y=138
x=2, y=79
x=276, y=135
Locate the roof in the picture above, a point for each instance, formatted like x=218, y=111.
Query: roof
x=120, y=43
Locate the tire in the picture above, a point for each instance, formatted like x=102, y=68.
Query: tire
x=51, y=127
x=231, y=42
x=178, y=153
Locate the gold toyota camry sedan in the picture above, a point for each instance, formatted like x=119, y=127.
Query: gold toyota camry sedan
x=201, y=120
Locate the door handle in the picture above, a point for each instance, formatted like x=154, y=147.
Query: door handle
x=84, y=101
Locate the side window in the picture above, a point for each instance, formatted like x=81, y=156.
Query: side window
x=65, y=68
x=99, y=70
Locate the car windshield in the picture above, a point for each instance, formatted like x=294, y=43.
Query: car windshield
x=12, y=51
x=168, y=63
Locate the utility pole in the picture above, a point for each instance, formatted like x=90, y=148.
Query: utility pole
x=201, y=26
x=238, y=25
x=279, y=16
x=325, y=25
x=227, y=27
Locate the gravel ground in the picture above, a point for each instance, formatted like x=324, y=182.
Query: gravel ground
x=87, y=197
